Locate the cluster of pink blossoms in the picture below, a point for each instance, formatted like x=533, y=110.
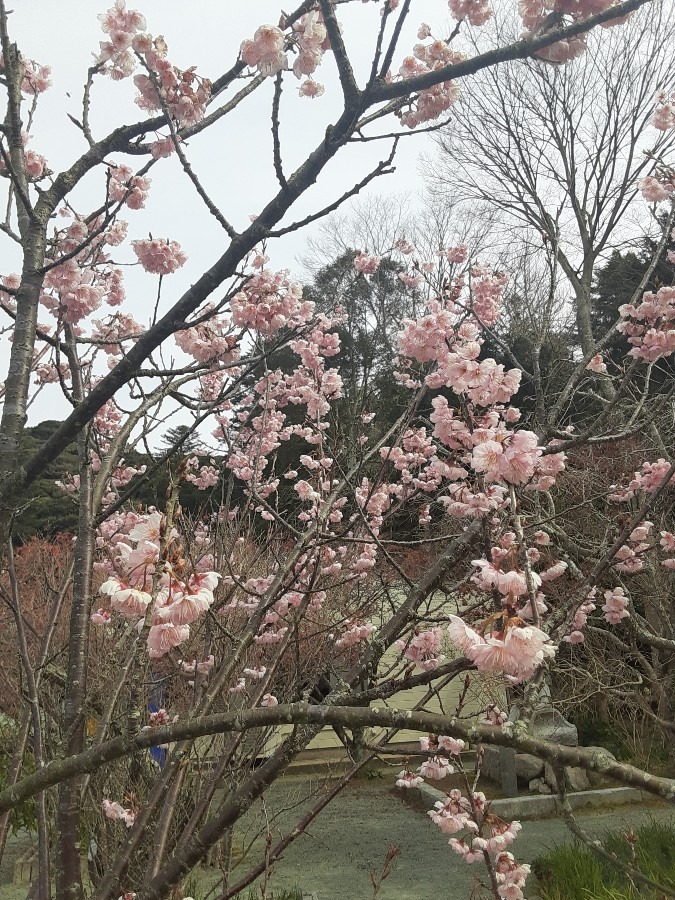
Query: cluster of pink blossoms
x=431, y=102
x=659, y=187
x=435, y=767
x=211, y=341
x=312, y=42
x=616, y=606
x=77, y=286
x=516, y=652
x=495, y=452
x=267, y=51
x=115, y=811
x=111, y=333
x=454, y=346
x=667, y=543
x=575, y=634
x=127, y=188
x=597, y=365
x=71, y=292
x=202, y=476
x=419, y=465
x=629, y=556
x=511, y=583
x=107, y=423
x=51, y=374
x=433, y=743
x=648, y=479
x=301, y=595
x=121, y=26
x=501, y=573
x=650, y=326
x=366, y=263
x=34, y=163
x=512, y=459
x=120, y=476
x=309, y=385
x=476, y=12
x=270, y=301
x=183, y=93
x=486, y=834
x=486, y=294
x=178, y=601
x=159, y=257
x=535, y=13
x=355, y=633
x=423, y=649
x=663, y=116
x=36, y=78
x=426, y=338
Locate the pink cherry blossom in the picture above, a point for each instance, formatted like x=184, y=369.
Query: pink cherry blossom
x=656, y=190
x=101, y=617
x=517, y=654
x=366, y=264
x=36, y=78
x=423, y=649
x=616, y=606
x=186, y=609
x=115, y=811
x=663, y=116
x=257, y=672
x=355, y=634
x=597, y=365
x=159, y=257
x=311, y=88
x=451, y=745
x=125, y=187
x=554, y=571
x=266, y=50
x=162, y=638
x=406, y=779
x=436, y=768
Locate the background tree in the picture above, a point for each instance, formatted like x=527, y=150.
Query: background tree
x=561, y=151
x=183, y=435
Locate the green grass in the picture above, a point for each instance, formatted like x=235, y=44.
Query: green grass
x=574, y=872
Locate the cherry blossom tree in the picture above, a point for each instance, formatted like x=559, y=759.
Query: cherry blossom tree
x=566, y=160
x=224, y=643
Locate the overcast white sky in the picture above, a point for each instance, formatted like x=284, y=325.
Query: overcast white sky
x=233, y=159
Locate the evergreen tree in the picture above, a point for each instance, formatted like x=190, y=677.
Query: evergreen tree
x=190, y=440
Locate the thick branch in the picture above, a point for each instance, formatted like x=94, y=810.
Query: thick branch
x=523, y=49
x=349, y=717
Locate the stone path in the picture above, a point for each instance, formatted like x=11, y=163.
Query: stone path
x=350, y=839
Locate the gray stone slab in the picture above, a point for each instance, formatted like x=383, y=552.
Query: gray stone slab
x=540, y=806
x=507, y=772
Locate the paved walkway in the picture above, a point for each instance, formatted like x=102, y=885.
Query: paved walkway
x=350, y=839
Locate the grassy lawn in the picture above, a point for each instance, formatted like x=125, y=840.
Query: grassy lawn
x=573, y=872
